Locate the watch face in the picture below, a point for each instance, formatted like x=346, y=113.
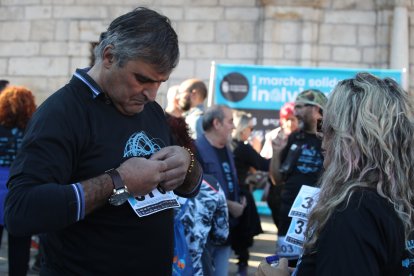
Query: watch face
x=119, y=197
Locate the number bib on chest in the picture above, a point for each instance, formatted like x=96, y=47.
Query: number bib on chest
x=155, y=201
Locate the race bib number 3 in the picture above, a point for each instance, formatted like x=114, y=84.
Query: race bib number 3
x=155, y=201
x=295, y=234
x=304, y=202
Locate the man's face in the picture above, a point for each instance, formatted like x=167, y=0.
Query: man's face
x=132, y=86
x=225, y=128
x=306, y=115
x=184, y=99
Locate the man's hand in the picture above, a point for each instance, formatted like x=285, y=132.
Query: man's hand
x=141, y=175
x=278, y=144
x=280, y=141
x=177, y=160
x=235, y=208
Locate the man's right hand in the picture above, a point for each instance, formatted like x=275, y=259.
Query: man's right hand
x=280, y=141
x=141, y=175
x=235, y=208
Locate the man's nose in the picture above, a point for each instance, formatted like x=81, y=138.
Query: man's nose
x=151, y=89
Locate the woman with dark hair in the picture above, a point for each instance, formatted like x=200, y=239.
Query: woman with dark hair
x=17, y=104
x=363, y=222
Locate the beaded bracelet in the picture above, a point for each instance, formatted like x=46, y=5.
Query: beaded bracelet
x=191, y=161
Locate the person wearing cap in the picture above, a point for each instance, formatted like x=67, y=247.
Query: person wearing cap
x=288, y=124
x=297, y=159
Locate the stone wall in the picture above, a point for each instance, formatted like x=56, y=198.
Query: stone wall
x=43, y=41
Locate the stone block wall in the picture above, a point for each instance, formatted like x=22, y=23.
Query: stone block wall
x=43, y=41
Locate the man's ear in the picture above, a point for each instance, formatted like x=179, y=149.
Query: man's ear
x=216, y=123
x=193, y=93
x=108, y=57
x=317, y=112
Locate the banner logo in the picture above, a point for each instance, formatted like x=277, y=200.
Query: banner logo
x=234, y=87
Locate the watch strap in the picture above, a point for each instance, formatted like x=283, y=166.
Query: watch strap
x=116, y=179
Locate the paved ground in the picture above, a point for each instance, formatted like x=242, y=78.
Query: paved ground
x=264, y=245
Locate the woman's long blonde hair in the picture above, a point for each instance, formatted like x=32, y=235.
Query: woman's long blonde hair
x=368, y=138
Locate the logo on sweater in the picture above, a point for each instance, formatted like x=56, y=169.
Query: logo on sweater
x=140, y=145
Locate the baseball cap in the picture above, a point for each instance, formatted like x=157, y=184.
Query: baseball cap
x=288, y=109
x=313, y=97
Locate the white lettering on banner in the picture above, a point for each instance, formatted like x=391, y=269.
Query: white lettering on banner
x=324, y=82
x=238, y=88
x=274, y=95
x=287, y=81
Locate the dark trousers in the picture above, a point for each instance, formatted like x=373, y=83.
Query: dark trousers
x=273, y=201
x=241, y=236
x=19, y=255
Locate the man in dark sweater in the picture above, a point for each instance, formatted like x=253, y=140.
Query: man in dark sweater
x=297, y=159
x=97, y=166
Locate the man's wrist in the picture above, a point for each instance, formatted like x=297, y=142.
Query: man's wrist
x=192, y=182
x=191, y=166
x=120, y=192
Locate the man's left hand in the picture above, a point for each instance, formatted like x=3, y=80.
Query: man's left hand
x=178, y=160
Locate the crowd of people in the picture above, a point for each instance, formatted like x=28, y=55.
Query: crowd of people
x=116, y=169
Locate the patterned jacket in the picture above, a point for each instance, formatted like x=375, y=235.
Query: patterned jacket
x=205, y=217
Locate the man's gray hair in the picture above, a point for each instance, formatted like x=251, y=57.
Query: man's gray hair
x=213, y=112
x=141, y=34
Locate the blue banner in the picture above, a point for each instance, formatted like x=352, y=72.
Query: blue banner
x=269, y=87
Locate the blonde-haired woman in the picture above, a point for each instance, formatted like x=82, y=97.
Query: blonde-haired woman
x=364, y=219
x=245, y=158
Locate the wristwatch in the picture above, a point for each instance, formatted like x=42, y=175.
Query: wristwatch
x=120, y=194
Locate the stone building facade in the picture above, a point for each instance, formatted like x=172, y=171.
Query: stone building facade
x=43, y=41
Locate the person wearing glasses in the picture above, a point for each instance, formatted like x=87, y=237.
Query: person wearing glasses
x=297, y=160
x=246, y=159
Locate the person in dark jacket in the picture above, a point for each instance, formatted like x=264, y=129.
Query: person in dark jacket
x=98, y=166
x=17, y=105
x=217, y=159
x=246, y=159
